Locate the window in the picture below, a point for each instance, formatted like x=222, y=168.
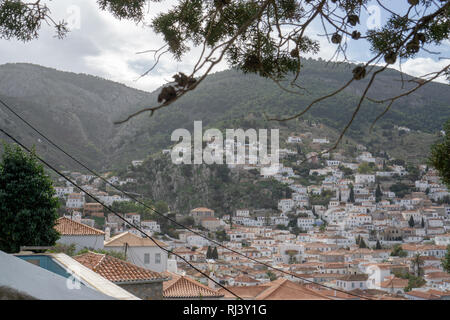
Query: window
x=158, y=258
x=146, y=258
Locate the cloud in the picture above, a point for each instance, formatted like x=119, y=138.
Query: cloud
x=422, y=66
x=102, y=45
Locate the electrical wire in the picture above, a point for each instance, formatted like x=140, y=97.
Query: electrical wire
x=162, y=215
x=114, y=212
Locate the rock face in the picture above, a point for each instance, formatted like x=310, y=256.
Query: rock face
x=185, y=187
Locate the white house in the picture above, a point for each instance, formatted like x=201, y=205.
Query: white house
x=243, y=213
x=442, y=239
x=352, y=281
x=81, y=235
x=305, y=223
x=321, y=141
x=75, y=201
x=294, y=139
x=142, y=252
x=286, y=204
x=137, y=163
x=364, y=178
x=151, y=225
x=63, y=191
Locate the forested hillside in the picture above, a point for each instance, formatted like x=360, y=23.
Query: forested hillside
x=78, y=111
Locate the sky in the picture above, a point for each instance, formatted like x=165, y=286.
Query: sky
x=101, y=45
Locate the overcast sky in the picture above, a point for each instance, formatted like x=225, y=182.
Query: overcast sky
x=101, y=45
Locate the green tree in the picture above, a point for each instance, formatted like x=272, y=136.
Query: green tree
x=397, y=251
x=440, y=156
x=208, y=253
x=351, y=197
x=400, y=189
x=161, y=206
x=411, y=222
x=272, y=276
x=28, y=206
x=115, y=254
x=417, y=262
x=362, y=243
x=414, y=282
x=378, y=245
x=378, y=194
x=365, y=168
x=214, y=254
x=446, y=260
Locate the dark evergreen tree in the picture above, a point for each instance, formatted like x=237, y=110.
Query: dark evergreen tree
x=214, y=254
x=378, y=194
x=351, y=198
x=411, y=222
x=362, y=243
x=28, y=206
x=378, y=245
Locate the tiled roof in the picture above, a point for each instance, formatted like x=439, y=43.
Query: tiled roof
x=245, y=279
x=423, y=295
x=202, y=210
x=394, y=282
x=354, y=277
x=438, y=275
x=281, y=289
x=116, y=270
x=68, y=227
x=184, y=287
x=132, y=241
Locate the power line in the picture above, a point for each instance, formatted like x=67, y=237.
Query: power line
x=114, y=212
x=160, y=214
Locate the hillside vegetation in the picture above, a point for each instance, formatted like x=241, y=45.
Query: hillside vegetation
x=78, y=111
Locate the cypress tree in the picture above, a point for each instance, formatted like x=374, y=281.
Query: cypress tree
x=352, y=195
x=214, y=254
x=411, y=222
x=378, y=194
x=378, y=246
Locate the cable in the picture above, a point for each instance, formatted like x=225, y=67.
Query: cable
x=114, y=212
x=158, y=213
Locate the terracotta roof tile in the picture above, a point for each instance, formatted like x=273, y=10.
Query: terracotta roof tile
x=116, y=270
x=66, y=227
x=280, y=289
x=132, y=241
x=202, y=210
x=184, y=287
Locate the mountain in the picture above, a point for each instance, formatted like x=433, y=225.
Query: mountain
x=75, y=110
x=78, y=110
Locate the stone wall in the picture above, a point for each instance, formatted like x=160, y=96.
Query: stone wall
x=145, y=291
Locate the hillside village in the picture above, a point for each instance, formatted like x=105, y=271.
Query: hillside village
x=365, y=225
